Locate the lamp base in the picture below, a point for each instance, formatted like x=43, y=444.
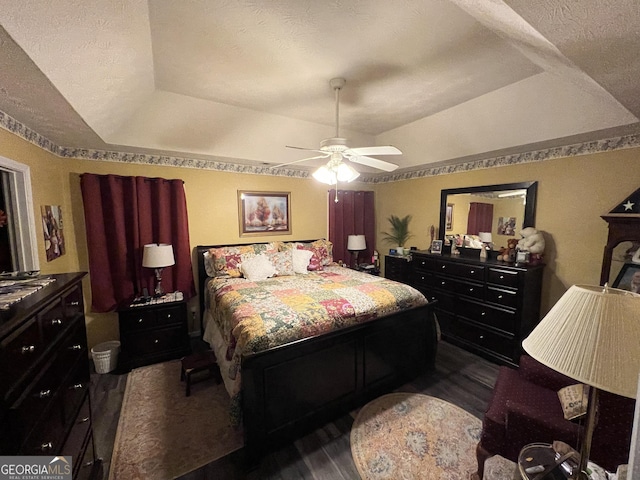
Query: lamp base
x=158, y=292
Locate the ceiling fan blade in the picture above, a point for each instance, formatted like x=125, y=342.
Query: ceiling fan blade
x=307, y=149
x=301, y=160
x=381, y=150
x=373, y=162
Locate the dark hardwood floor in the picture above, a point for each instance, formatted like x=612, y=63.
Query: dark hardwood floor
x=460, y=377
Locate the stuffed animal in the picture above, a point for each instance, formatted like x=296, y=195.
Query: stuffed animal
x=532, y=241
x=508, y=253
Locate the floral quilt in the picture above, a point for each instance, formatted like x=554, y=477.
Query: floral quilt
x=254, y=316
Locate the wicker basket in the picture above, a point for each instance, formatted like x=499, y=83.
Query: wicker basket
x=105, y=356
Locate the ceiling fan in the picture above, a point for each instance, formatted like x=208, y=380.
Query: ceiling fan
x=337, y=150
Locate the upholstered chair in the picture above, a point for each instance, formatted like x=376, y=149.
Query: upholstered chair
x=525, y=408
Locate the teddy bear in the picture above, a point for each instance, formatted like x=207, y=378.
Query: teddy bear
x=532, y=241
x=508, y=253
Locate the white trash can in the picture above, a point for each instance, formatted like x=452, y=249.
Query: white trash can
x=105, y=356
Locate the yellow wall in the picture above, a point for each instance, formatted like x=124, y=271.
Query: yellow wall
x=572, y=194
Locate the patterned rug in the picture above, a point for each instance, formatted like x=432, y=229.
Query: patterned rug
x=415, y=436
x=163, y=434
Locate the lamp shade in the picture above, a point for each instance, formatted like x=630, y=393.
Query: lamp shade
x=485, y=237
x=157, y=255
x=356, y=242
x=591, y=335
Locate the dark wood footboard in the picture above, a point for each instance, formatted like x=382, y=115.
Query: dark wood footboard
x=291, y=389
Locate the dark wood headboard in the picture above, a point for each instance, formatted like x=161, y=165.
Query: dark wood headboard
x=202, y=274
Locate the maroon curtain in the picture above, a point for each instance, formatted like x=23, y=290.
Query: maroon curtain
x=480, y=218
x=122, y=214
x=352, y=214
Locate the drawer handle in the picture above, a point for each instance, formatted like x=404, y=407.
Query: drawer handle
x=444, y=266
x=156, y=341
x=472, y=271
x=87, y=464
x=56, y=321
x=501, y=277
x=28, y=349
x=46, y=446
x=168, y=315
x=76, y=386
x=44, y=394
x=77, y=346
x=422, y=277
x=423, y=263
x=483, y=314
x=84, y=420
x=470, y=289
x=75, y=303
x=481, y=337
x=443, y=283
x=499, y=297
x=139, y=320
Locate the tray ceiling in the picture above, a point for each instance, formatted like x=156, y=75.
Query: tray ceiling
x=236, y=81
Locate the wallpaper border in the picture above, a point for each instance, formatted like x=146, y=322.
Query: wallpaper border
x=598, y=146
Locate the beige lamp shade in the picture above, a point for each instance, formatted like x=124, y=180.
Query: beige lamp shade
x=157, y=255
x=593, y=336
x=356, y=242
x=485, y=237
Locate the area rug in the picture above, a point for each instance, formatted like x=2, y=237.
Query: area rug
x=163, y=434
x=414, y=436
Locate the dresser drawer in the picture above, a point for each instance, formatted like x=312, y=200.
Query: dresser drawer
x=496, y=343
x=469, y=272
x=505, y=298
x=446, y=301
x=422, y=280
x=505, y=278
x=501, y=319
x=72, y=302
x=136, y=320
x=423, y=264
x=52, y=322
x=473, y=290
x=18, y=353
x=78, y=435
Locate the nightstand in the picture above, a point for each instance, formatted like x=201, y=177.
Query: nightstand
x=397, y=268
x=152, y=333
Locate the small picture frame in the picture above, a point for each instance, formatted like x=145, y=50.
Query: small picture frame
x=436, y=247
x=449, y=217
x=628, y=278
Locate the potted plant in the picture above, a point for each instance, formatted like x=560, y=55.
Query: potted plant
x=399, y=233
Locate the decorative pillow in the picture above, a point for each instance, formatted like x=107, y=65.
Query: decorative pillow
x=283, y=262
x=315, y=263
x=324, y=250
x=574, y=400
x=227, y=260
x=257, y=268
x=301, y=260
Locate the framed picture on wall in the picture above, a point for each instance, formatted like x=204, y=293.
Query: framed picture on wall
x=449, y=217
x=628, y=278
x=264, y=213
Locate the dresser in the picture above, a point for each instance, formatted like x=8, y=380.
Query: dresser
x=44, y=377
x=485, y=306
x=152, y=333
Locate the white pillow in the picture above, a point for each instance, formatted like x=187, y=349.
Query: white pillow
x=301, y=260
x=257, y=268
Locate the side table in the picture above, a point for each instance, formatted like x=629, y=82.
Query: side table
x=152, y=332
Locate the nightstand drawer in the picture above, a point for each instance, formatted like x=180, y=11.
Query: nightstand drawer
x=134, y=320
x=156, y=341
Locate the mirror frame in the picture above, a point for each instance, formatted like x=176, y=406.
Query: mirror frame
x=529, y=209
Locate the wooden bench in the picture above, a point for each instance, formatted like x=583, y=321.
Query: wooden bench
x=199, y=362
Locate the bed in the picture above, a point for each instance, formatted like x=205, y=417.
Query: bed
x=283, y=388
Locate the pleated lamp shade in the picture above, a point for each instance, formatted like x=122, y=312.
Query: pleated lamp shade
x=593, y=336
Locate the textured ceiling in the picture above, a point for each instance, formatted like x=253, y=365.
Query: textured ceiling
x=237, y=81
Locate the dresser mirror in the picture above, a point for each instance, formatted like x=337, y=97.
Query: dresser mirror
x=513, y=208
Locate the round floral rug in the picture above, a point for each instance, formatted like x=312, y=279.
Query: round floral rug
x=409, y=435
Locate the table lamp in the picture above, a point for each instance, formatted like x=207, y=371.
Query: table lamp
x=158, y=256
x=591, y=335
x=356, y=244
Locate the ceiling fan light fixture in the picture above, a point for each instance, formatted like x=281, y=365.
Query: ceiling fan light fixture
x=324, y=175
x=346, y=173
